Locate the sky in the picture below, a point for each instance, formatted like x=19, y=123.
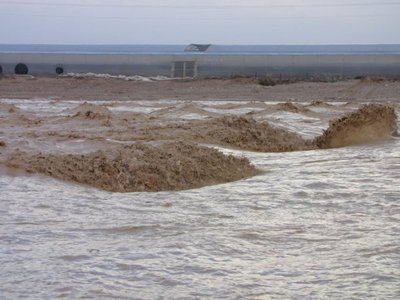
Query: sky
x=205, y=21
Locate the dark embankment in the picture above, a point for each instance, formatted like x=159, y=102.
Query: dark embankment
x=138, y=167
x=371, y=123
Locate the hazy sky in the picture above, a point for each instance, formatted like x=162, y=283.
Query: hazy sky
x=205, y=21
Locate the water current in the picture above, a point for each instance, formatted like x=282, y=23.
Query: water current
x=321, y=224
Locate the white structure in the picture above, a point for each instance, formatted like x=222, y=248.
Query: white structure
x=203, y=60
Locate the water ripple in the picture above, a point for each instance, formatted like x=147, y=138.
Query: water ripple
x=318, y=224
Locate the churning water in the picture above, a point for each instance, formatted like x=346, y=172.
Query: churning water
x=316, y=224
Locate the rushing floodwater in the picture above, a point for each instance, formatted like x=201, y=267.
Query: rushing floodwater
x=317, y=224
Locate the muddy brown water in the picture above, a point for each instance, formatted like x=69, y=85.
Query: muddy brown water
x=315, y=224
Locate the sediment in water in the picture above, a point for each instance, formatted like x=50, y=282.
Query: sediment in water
x=139, y=167
x=20, y=116
x=90, y=111
x=10, y=108
x=247, y=133
x=292, y=107
x=371, y=123
x=176, y=165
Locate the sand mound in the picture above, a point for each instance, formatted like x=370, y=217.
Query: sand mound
x=90, y=111
x=246, y=133
x=138, y=167
x=370, y=123
x=291, y=107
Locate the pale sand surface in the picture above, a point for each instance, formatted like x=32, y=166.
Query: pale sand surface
x=151, y=144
